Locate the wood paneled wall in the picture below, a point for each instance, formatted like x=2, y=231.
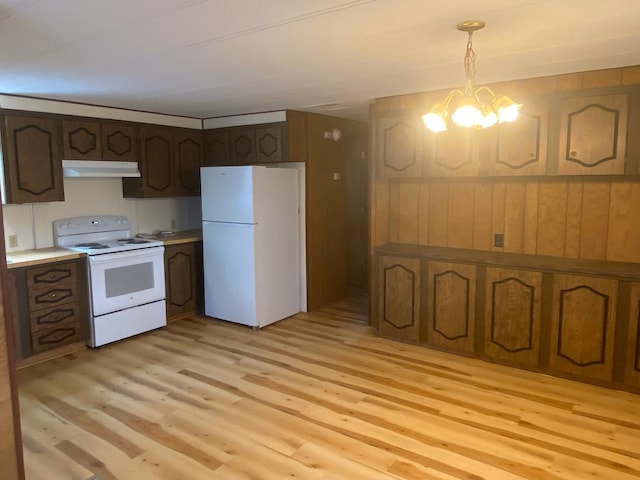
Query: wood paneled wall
x=569, y=217
x=575, y=217
x=326, y=172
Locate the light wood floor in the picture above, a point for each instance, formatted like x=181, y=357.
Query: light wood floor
x=316, y=396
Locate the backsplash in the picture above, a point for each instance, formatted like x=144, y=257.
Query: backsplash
x=32, y=223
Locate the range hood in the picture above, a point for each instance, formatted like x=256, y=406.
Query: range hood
x=99, y=168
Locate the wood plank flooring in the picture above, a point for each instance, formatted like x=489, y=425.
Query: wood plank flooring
x=316, y=396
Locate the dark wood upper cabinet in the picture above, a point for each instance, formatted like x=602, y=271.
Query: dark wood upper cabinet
x=275, y=142
x=269, y=144
x=396, y=140
x=520, y=147
x=81, y=140
x=450, y=153
x=157, y=165
x=593, y=134
x=119, y=142
x=95, y=140
x=188, y=155
x=32, y=154
x=170, y=161
x=243, y=146
x=216, y=148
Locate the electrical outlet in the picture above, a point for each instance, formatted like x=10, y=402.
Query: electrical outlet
x=498, y=240
x=173, y=224
x=13, y=241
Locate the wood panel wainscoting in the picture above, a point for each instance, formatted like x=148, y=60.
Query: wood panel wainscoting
x=314, y=396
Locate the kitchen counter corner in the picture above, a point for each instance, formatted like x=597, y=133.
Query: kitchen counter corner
x=187, y=236
x=29, y=258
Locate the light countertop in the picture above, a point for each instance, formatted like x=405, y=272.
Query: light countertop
x=186, y=236
x=29, y=258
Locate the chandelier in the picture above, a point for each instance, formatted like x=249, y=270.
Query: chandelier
x=476, y=107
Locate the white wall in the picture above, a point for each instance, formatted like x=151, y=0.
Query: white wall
x=32, y=223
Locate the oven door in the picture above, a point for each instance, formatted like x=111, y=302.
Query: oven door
x=126, y=279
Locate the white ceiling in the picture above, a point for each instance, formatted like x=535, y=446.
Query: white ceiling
x=204, y=59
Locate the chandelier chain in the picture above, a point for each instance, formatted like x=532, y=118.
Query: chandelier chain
x=470, y=61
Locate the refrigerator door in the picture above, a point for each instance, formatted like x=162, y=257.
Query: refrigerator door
x=230, y=277
x=227, y=194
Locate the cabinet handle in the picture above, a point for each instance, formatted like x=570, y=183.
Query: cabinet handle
x=53, y=295
x=573, y=153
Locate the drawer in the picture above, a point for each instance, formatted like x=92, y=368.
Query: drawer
x=49, y=297
x=54, y=316
x=52, y=274
x=55, y=337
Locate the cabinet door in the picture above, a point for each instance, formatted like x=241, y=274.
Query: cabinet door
x=157, y=163
x=269, y=145
x=583, y=326
x=243, y=146
x=451, y=153
x=119, y=142
x=593, y=133
x=180, y=278
x=188, y=151
x=512, y=316
x=216, y=148
x=33, y=160
x=451, y=300
x=632, y=364
x=399, y=298
x=520, y=147
x=81, y=140
x=397, y=155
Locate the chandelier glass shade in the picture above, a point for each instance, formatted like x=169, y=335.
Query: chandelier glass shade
x=474, y=107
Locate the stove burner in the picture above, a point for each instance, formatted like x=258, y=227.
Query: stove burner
x=93, y=246
x=131, y=241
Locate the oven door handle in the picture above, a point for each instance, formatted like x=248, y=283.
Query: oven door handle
x=136, y=254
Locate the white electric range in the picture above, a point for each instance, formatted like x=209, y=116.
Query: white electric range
x=126, y=275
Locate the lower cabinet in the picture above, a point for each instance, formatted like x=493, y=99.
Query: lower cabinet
x=451, y=293
x=583, y=326
x=512, y=315
x=51, y=306
x=183, y=277
x=632, y=360
x=399, y=298
x=576, y=320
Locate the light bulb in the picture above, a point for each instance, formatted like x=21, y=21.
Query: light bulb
x=507, y=109
x=436, y=119
x=468, y=114
x=489, y=117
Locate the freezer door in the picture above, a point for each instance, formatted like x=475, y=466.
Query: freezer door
x=229, y=272
x=227, y=194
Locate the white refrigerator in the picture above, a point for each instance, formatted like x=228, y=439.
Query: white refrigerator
x=250, y=238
